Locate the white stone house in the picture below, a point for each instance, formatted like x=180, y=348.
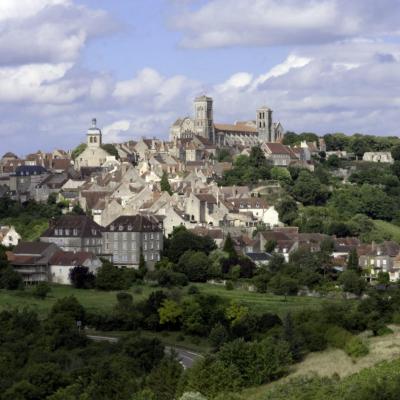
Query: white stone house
x=9, y=236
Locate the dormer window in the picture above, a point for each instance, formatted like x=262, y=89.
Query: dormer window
x=121, y=228
x=129, y=227
x=112, y=227
x=75, y=232
x=94, y=232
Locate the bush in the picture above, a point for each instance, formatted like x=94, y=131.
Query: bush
x=42, y=290
x=10, y=279
x=82, y=278
x=229, y=285
x=384, y=331
x=355, y=348
x=193, y=290
x=338, y=337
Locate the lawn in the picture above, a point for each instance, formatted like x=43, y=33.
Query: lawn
x=262, y=302
x=92, y=300
x=98, y=301
x=388, y=229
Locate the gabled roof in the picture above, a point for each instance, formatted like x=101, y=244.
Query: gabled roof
x=70, y=258
x=74, y=226
x=134, y=223
x=236, y=128
x=31, y=248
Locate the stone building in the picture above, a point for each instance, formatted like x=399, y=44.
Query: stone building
x=129, y=236
x=75, y=233
x=248, y=133
x=93, y=155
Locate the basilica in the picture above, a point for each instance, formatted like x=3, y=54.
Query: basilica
x=246, y=133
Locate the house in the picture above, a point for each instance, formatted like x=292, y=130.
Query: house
x=9, y=236
x=278, y=154
x=63, y=262
x=259, y=208
x=286, y=241
x=75, y=233
x=377, y=258
x=214, y=233
x=32, y=260
x=200, y=206
x=24, y=181
x=129, y=236
x=378, y=157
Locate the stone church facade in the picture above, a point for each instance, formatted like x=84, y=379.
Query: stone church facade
x=245, y=133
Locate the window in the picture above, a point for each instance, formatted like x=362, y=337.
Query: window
x=67, y=232
x=115, y=245
x=133, y=245
x=151, y=245
x=124, y=245
x=112, y=227
x=121, y=228
x=145, y=257
x=144, y=246
x=151, y=235
x=145, y=236
x=152, y=256
x=129, y=227
x=75, y=232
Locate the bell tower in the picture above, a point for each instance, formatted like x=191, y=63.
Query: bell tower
x=203, y=118
x=265, y=127
x=94, y=136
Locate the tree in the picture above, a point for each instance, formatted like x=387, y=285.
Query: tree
x=229, y=247
x=110, y=277
x=235, y=312
x=333, y=161
x=111, y=150
x=78, y=151
x=142, y=265
x=308, y=190
x=218, y=335
x=70, y=307
x=352, y=261
x=163, y=379
x=288, y=210
x=270, y=246
x=82, y=278
x=10, y=279
x=164, y=183
x=351, y=282
x=281, y=174
x=42, y=289
x=194, y=264
x=284, y=285
x=396, y=152
x=170, y=312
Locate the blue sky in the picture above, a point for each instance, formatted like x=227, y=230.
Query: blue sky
x=321, y=65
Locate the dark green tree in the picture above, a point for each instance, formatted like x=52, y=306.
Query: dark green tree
x=164, y=183
x=352, y=261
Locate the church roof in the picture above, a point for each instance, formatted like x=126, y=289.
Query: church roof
x=235, y=128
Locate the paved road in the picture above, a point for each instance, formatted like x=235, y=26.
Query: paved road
x=185, y=357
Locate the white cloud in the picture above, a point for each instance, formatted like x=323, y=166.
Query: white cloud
x=115, y=131
x=277, y=22
x=47, y=31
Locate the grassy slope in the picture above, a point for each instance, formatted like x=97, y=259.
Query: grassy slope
x=334, y=361
x=261, y=302
x=95, y=300
x=388, y=229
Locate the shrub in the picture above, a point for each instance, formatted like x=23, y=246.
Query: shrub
x=42, y=290
x=356, y=348
x=384, y=331
x=193, y=290
x=229, y=285
x=338, y=337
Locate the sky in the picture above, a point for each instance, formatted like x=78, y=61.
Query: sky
x=136, y=65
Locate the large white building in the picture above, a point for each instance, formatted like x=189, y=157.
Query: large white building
x=247, y=133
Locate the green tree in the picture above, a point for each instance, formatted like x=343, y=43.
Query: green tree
x=164, y=183
x=308, y=190
x=270, y=246
x=352, y=261
x=288, y=210
x=284, y=285
x=396, y=152
x=78, y=151
x=111, y=150
x=164, y=378
x=170, y=312
x=42, y=289
x=229, y=247
x=194, y=264
x=82, y=278
x=351, y=282
x=110, y=277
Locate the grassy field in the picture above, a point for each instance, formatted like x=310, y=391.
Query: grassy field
x=334, y=361
x=94, y=300
x=261, y=302
x=388, y=229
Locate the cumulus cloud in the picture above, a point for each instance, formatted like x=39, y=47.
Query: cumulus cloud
x=47, y=31
x=285, y=22
x=344, y=86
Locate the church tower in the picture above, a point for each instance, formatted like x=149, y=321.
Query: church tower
x=94, y=139
x=265, y=127
x=203, y=118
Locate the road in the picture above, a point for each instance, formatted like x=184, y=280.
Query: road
x=185, y=357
